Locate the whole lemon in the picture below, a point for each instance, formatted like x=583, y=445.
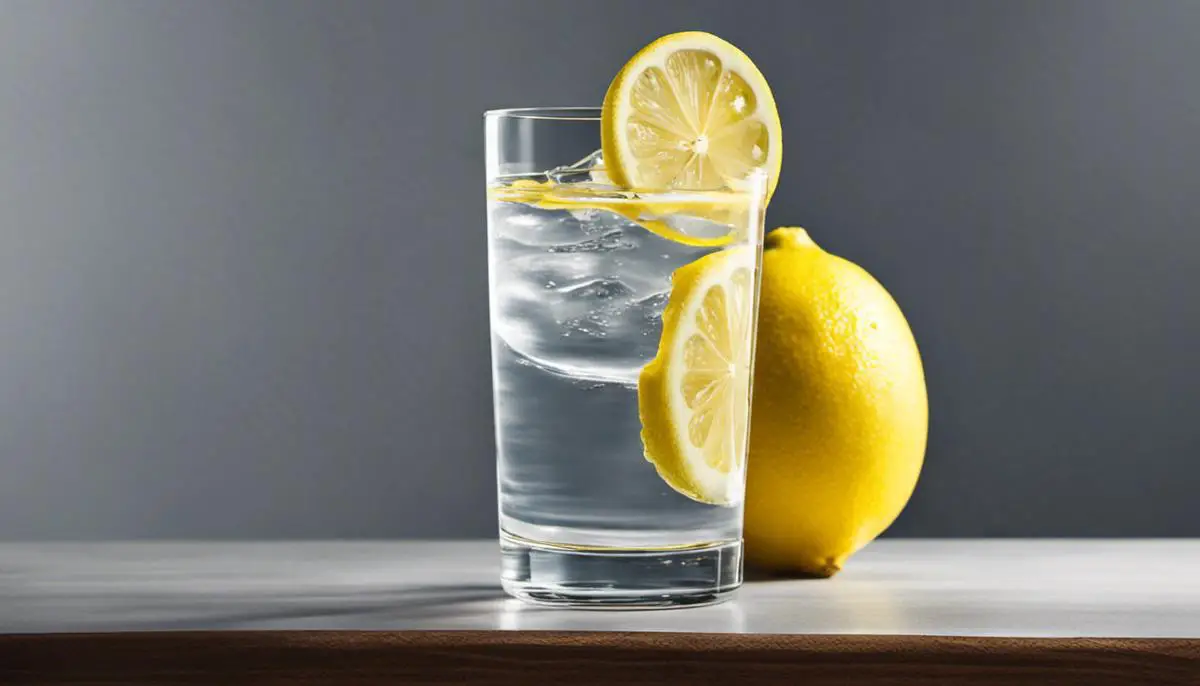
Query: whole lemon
x=840, y=413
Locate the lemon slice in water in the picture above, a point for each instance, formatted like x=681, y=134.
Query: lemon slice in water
x=694, y=397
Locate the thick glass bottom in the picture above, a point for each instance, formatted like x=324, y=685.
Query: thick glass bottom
x=616, y=578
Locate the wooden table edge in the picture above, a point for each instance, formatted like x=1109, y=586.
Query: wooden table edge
x=367, y=658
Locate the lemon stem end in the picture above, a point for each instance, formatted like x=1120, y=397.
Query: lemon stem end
x=789, y=237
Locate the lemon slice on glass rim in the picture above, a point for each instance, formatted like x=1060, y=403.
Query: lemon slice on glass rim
x=690, y=112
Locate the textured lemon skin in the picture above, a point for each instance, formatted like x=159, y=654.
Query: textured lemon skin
x=840, y=414
x=663, y=449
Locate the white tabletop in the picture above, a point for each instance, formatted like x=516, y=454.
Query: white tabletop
x=1104, y=588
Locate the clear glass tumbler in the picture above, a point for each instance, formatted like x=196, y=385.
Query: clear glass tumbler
x=623, y=327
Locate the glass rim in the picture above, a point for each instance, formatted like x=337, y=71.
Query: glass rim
x=584, y=114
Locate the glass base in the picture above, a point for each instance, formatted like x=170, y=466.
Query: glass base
x=616, y=578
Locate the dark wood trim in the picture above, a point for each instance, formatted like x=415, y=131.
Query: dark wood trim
x=353, y=658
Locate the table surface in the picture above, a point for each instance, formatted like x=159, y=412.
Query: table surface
x=1035, y=588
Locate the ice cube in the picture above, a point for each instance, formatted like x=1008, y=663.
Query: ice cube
x=609, y=242
x=583, y=298
x=651, y=307
x=578, y=172
x=600, y=289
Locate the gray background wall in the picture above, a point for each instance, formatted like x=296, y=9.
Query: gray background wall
x=242, y=274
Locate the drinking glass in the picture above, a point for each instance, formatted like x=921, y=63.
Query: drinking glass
x=594, y=511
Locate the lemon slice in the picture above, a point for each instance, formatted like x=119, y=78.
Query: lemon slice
x=694, y=396
x=718, y=208
x=690, y=112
